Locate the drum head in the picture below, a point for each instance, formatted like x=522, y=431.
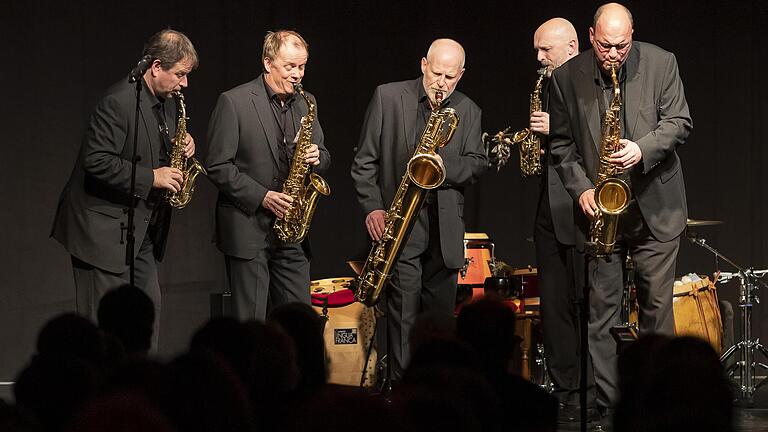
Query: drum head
x=333, y=292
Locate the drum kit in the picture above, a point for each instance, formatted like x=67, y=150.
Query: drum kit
x=350, y=328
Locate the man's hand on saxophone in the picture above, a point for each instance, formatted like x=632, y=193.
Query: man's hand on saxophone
x=587, y=203
x=375, y=224
x=540, y=122
x=629, y=155
x=277, y=202
x=167, y=178
x=313, y=155
x=189, y=149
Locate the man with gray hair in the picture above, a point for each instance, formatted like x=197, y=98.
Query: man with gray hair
x=426, y=274
x=252, y=135
x=654, y=120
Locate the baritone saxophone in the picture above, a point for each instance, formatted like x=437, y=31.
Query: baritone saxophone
x=189, y=167
x=302, y=184
x=612, y=194
x=424, y=172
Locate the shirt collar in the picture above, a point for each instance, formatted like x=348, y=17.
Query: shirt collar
x=154, y=101
x=275, y=97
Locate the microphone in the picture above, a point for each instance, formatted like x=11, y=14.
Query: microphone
x=139, y=69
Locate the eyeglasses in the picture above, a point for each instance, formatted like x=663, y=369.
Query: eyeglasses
x=607, y=47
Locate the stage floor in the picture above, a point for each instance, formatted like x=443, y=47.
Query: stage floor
x=748, y=419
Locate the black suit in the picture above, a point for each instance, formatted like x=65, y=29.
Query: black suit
x=92, y=207
x=243, y=162
x=426, y=274
x=559, y=286
x=656, y=117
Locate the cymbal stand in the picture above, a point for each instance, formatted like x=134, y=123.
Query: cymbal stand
x=746, y=346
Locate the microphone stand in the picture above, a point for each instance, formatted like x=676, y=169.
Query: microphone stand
x=130, y=229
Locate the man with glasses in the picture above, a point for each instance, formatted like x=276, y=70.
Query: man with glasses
x=654, y=121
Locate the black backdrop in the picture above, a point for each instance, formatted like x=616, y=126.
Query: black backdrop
x=58, y=57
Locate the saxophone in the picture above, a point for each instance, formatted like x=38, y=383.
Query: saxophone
x=529, y=142
x=612, y=194
x=294, y=225
x=423, y=173
x=190, y=167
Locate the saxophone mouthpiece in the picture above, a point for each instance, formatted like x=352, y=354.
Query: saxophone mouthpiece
x=439, y=97
x=297, y=87
x=542, y=71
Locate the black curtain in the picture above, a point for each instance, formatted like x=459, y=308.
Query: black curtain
x=59, y=57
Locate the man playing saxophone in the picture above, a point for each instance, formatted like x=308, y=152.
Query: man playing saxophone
x=555, y=43
x=653, y=120
x=91, y=218
x=425, y=275
x=252, y=136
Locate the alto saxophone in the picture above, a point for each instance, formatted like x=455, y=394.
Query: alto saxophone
x=612, y=194
x=423, y=173
x=189, y=167
x=294, y=225
x=528, y=142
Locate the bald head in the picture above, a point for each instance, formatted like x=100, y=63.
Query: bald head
x=446, y=50
x=442, y=68
x=611, y=35
x=555, y=43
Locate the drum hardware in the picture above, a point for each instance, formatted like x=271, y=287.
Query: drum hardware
x=544, y=381
x=626, y=332
x=694, y=222
x=463, y=271
x=746, y=347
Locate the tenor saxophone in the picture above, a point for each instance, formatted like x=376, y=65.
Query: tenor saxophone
x=294, y=225
x=423, y=173
x=528, y=142
x=612, y=194
x=189, y=167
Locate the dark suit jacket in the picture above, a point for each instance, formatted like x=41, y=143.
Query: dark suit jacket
x=242, y=162
x=386, y=141
x=560, y=201
x=93, y=204
x=656, y=118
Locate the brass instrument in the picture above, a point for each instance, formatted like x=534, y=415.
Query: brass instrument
x=294, y=225
x=612, y=194
x=423, y=173
x=528, y=142
x=190, y=167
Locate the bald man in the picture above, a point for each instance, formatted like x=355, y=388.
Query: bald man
x=425, y=275
x=654, y=121
x=556, y=42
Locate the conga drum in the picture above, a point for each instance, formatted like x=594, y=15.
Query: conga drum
x=697, y=312
x=348, y=331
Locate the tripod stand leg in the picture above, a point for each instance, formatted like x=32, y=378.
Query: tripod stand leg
x=729, y=352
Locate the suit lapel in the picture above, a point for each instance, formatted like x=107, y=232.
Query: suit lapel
x=150, y=125
x=265, y=116
x=410, y=105
x=587, y=94
x=634, y=90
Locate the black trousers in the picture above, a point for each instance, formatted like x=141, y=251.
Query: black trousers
x=560, y=270
x=278, y=274
x=654, y=279
x=91, y=283
x=419, y=283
